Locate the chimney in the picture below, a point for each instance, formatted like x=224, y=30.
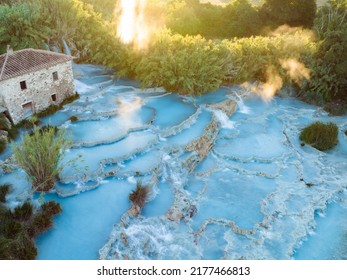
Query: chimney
x=9, y=50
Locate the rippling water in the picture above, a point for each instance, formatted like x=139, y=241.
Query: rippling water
x=248, y=199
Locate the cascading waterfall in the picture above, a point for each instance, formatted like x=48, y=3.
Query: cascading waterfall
x=241, y=104
x=228, y=183
x=67, y=50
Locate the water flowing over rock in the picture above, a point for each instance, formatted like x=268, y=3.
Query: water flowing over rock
x=228, y=176
x=227, y=106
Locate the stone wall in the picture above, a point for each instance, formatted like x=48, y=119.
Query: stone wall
x=40, y=88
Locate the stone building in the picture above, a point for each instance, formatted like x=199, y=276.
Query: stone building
x=31, y=80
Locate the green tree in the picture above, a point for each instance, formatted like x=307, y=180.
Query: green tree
x=329, y=66
x=182, y=19
x=21, y=27
x=241, y=19
x=291, y=12
x=39, y=155
x=42, y=23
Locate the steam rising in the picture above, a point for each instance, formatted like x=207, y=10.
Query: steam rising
x=268, y=89
x=128, y=109
x=296, y=70
x=295, y=38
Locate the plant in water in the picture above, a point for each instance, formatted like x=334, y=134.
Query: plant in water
x=3, y=146
x=41, y=223
x=4, y=190
x=73, y=119
x=320, y=135
x=11, y=228
x=51, y=208
x=140, y=195
x=20, y=248
x=39, y=154
x=23, y=212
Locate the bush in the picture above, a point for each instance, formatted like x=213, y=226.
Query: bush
x=320, y=136
x=73, y=119
x=55, y=108
x=39, y=155
x=46, y=128
x=293, y=13
x=13, y=132
x=17, y=228
x=10, y=228
x=4, y=190
x=28, y=123
x=140, y=195
x=187, y=65
x=23, y=212
x=336, y=108
x=21, y=248
x=51, y=208
x=48, y=111
x=3, y=146
x=69, y=99
x=40, y=224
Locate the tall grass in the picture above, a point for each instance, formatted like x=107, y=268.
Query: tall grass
x=39, y=154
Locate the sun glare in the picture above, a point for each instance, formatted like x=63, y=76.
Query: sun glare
x=133, y=27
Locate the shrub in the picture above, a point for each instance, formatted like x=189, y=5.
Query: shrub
x=3, y=146
x=21, y=248
x=51, y=208
x=39, y=155
x=10, y=228
x=69, y=99
x=40, y=223
x=4, y=190
x=48, y=111
x=13, y=132
x=140, y=195
x=188, y=65
x=73, y=119
x=17, y=229
x=28, y=123
x=320, y=136
x=46, y=128
x=54, y=108
x=23, y=212
x=336, y=108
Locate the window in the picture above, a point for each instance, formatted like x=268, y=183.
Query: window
x=54, y=97
x=27, y=109
x=55, y=76
x=23, y=85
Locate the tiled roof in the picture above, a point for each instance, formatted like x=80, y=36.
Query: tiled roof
x=28, y=60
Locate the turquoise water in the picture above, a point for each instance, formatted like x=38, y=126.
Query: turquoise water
x=248, y=199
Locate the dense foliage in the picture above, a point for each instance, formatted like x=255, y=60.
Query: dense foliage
x=291, y=12
x=39, y=154
x=238, y=19
x=46, y=23
x=19, y=227
x=194, y=64
x=4, y=190
x=184, y=64
x=329, y=66
x=320, y=135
